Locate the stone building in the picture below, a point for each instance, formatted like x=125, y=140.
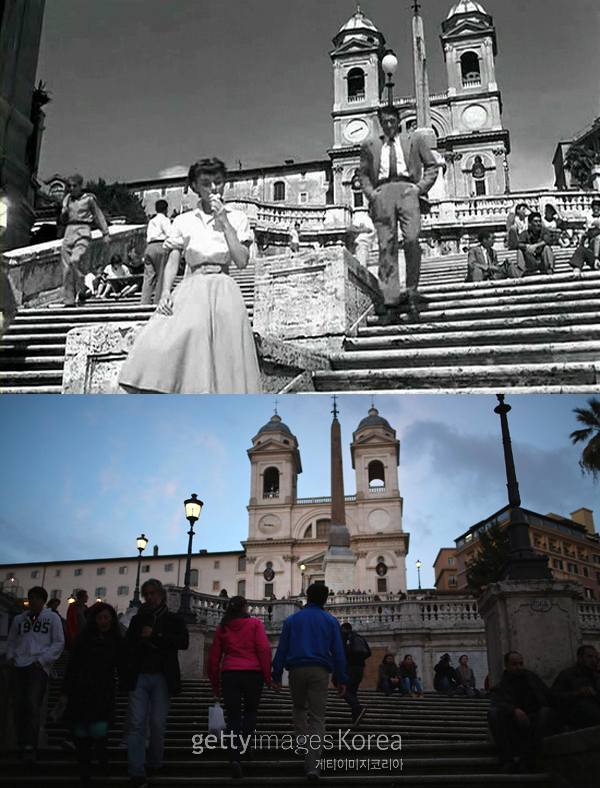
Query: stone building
x=284, y=532
x=21, y=116
x=572, y=546
x=466, y=119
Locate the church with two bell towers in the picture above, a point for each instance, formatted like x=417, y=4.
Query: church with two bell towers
x=286, y=533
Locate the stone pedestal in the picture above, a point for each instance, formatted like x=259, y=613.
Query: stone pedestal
x=191, y=661
x=339, y=571
x=537, y=618
x=94, y=356
x=313, y=298
x=574, y=757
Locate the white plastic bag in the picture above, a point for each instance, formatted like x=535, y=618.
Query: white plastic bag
x=216, y=719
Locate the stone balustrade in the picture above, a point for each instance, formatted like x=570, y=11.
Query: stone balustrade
x=589, y=616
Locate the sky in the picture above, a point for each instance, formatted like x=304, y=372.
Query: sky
x=84, y=476
x=140, y=87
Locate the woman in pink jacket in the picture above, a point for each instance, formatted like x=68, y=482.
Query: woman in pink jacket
x=240, y=656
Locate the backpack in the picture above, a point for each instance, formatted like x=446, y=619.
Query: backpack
x=357, y=648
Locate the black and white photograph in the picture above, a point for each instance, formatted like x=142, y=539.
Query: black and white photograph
x=390, y=210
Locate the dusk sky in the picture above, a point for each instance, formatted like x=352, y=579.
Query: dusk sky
x=142, y=86
x=84, y=476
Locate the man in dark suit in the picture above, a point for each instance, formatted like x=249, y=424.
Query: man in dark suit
x=534, y=250
x=397, y=169
x=482, y=261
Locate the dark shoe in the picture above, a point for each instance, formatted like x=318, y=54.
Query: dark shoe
x=508, y=766
x=138, y=782
x=236, y=770
x=356, y=718
x=313, y=777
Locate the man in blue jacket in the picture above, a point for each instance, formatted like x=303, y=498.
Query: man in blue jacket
x=310, y=648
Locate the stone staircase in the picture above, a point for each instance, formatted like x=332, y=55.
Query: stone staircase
x=444, y=744
x=537, y=334
x=32, y=350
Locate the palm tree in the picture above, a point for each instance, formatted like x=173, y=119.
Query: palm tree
x=590, y=456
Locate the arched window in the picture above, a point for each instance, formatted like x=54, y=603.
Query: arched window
x=470, y=69
x=356, y=84
x=278, y=191
x=241, y=587
x=271, y=483
x=323, y=528
x=241, y=563
x=193, y=578
x=376, y=474
x=308, y=532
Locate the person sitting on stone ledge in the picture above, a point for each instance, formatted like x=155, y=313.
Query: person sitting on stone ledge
x=482, y=261
x=577, y=690
x=444, y=680
x=588, y=250
x=117, y=279
x=388, y=676
x=516, y=223
x=534, y=252
x=410, y=681
x=465, y=678
x=520, y=716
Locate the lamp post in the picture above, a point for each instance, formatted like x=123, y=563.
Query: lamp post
x=302, y=569
x=419, y=573
x=193, y=507
x=141, y=546
x=389, y=64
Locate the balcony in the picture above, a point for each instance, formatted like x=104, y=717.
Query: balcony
x=326, y=499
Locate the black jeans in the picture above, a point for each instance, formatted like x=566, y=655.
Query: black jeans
x=355, y=675
x=28, y=686
x=237, y=687
x=512, y=739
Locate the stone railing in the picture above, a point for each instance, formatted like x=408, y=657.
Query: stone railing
x=282, y=216
x=324, y=499
x=589, y=615
x=35, y=272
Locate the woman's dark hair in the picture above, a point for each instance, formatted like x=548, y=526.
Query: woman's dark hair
x=406, y=656
x=91, y=627
x=115, y=259
x=211, y=166
x=461, y=656
x=235, y=609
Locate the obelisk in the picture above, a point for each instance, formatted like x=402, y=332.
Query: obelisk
x=339, y=560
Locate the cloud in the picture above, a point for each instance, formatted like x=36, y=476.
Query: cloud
x=173, y=171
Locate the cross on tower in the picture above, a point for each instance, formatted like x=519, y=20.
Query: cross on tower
x=276, y=403
x=335, y=410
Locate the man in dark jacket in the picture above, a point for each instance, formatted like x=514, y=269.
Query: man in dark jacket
x=388, y=675
x=444, y=679
x=153, y=639
x=357, y=651
x=577, y=690
x=520, y=714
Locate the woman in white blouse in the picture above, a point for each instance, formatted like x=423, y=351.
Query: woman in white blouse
x=200, y=340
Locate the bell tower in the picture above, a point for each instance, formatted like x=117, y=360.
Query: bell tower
x=478, y=144
x=357, y=86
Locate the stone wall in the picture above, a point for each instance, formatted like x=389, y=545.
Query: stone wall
x=312, y=299
x=35, y=272
x=94, y=355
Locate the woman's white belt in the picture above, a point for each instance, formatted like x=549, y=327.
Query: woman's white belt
x=210, y=268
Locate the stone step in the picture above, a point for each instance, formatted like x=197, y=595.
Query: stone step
x=580, y=377
x=492, y=355
x=499, y=336
x=39, y=362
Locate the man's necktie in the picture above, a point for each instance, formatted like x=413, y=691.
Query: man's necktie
x=393, y=160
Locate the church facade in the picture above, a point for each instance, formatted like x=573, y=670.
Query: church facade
x=285, y=533
x=466, y=118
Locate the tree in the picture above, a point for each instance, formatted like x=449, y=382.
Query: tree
x=484, y=567
x=590, y=456
x=580, y=161
x=116, y=200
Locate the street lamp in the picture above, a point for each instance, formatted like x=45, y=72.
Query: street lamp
x=302, y=569
x=141, y=546
x=193, y=507
x=419, y=573
x=389, y=64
